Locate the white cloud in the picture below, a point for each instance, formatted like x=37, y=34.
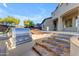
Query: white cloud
x=22, y=18
x=38, y=18
x=5, y=5
x=3, y=13
x=35, y=18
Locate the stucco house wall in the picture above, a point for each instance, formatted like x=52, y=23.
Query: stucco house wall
x=61, y=11
x=47, y=25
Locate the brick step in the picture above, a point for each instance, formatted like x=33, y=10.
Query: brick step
x=57, y=50
x=65, y=35
x=62, y=36
x=56, y=41
x=65, y=40
x=42, y=51
x=52, y=42
x=62, y=40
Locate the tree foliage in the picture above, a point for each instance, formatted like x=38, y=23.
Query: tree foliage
x=28, y=23
x=1, y=20
x=9, y=20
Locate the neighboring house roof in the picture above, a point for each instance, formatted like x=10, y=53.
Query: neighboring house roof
x=46, y=19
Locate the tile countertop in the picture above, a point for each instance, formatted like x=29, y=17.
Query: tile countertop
x=75, y=40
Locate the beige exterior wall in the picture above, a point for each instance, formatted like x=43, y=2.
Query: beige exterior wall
x=74, y=43
x=60, y=24
x=66, y=10
x=47, y=25
x=63, y=9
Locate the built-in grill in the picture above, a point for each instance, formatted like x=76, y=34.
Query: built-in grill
x=16, y=39
x=22, y=35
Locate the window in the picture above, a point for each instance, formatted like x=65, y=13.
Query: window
x=68, y=23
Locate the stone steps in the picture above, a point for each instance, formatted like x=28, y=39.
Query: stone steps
x=62, y=40
x=42, y=51
x=57, y=45
x=57, y=50
x=56, y=40
x=65, y=36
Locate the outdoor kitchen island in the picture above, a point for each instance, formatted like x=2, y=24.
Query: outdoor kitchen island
x=75, y=46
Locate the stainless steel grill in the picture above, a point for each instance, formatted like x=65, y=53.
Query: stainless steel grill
x=22, y=35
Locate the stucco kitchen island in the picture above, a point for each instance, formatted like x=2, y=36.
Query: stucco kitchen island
x=74, y=50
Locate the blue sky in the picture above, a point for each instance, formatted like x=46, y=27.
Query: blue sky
x=33, y=11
